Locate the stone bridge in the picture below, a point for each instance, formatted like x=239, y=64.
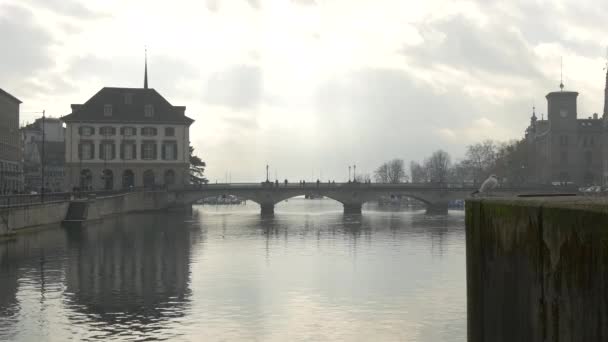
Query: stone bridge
x=351, y=195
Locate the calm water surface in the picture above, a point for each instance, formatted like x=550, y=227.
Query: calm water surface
x=309, y=273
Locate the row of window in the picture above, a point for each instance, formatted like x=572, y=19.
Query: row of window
x=587, y=141
x=124, y=131
x=128, y=150
x=148, y=109
x=588, y=157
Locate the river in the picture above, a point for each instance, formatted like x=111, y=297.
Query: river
x=310, y=273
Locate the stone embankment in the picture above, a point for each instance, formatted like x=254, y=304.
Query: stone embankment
x=16, y=218
x=537, y=269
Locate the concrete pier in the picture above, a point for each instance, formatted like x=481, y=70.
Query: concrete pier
x=440, y=208
x=267, y=209
x=537, y=269
x=351, y=208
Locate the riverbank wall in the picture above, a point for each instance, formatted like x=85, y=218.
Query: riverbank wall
x=17, y=218
x=537, y=269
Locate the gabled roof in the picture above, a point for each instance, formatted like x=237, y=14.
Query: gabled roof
x=93, y=109
x=5, y=93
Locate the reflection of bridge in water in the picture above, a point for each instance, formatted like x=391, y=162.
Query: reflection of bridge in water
x=352, y=195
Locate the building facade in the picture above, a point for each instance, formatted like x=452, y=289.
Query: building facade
x=565, y=149
x=126, y=137
x=10, y=147
x=54, y=155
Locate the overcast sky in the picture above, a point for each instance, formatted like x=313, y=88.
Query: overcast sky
x=312, y=86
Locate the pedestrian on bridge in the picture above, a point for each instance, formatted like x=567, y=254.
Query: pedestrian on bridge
x=286, y=182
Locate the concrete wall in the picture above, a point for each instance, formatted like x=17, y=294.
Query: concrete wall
x=537, y=269
x=16, y=218
x=131, y=202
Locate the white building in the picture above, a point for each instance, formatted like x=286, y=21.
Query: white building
x=123, y=137
x=54, y=155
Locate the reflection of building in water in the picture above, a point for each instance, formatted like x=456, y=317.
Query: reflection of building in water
x=8, y=282
x=31, y=265
x=132, y=269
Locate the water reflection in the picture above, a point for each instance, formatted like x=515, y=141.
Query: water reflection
x=130, y=273
x=8, y=282
x=225, y=273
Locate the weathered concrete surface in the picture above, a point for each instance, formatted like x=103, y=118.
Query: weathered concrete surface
x=17, y=218
x=537, y=269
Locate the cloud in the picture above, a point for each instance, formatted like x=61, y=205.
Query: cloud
x=212, y=5
x=164, y=72
x=25, y=45
x=466, y=45
x=255, y=4
x=304, y=2
x=69, y=8
x=239, y=87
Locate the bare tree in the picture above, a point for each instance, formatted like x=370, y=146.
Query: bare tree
x=482, y=157
x=363, y=178
x=391, y=172
x=461, y=172
x=438, y=166
x=418, y=172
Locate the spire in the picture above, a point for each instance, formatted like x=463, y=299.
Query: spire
x=606, y=88
x=533, y=114
x=146, y=69
x=561, y=74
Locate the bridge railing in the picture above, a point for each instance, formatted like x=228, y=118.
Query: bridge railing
x=375, y=186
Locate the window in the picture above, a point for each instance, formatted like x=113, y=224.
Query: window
x=86, y=130
x=588, y=157
x=169, y=131
x=563, y=157
x=85, y=150
x=128, y=98
x=148, y=111
x=107, y=131
x=128, y=150
x=107, y=110
x=128, y=131
x=148, y=131
x=106, y=150
x=148, y=150
x=169, y=151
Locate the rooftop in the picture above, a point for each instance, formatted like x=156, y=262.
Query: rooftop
x=128, y=105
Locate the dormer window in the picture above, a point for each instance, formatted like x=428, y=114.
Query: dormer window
x=128, y=98
x=107, y=110
x=148, y=111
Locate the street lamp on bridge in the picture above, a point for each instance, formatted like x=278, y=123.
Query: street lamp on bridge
x=349, y=173
x=267, y=180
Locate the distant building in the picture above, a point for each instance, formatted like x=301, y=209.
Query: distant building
x=10, y=148
x=54, y=155
x=564, y=149
x=124, y=137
